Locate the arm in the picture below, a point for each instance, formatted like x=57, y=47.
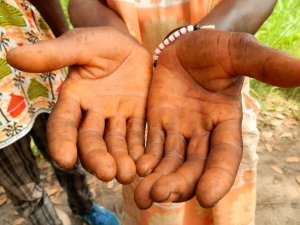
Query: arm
x=239, y=15
x=53, y=14
x=92, y=13
x=229, y=15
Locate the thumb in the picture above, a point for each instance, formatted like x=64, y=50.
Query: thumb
x=271, y=66
x=99, y=47
x=46, y=56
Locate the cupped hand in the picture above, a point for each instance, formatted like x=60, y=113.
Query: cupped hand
x=194, y=144
x=100, y=113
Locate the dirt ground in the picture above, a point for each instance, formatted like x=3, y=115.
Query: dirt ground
x=278, y=190
x=278, y=186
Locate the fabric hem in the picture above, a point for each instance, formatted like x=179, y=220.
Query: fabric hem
x=25, y=131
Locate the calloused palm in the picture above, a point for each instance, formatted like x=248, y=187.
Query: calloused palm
x=194, y=144
x=101, y=106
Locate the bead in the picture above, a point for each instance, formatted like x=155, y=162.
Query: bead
x=161, y=46
x=183, y=30
x=157, y=51
x=167, y=42
x=177, y=34
x=190, y=28
x=171, y=38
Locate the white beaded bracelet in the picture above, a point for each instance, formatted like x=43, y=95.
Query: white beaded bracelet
x=173, y=36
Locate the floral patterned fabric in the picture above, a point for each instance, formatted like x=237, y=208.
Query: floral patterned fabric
x=23, y=95
x=150, y=21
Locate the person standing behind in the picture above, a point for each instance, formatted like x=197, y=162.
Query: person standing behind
x=25, y=101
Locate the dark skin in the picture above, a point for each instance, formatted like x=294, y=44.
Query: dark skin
x=194, y=110
x=94, y=13
x=100, y=113
x=229, y=15
x=237, y=15
x=168, y=155
x=198, y=132
x=52, y=12
x=168, y=166
x=198, y=117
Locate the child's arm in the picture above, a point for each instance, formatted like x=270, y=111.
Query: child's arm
x=94, y=13
x=239, y=15
x=52, y=12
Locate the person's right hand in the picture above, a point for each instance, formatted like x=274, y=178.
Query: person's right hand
x=101, y=106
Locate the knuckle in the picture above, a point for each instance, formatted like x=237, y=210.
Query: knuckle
x=115, y=135
x=198, y=158
x=174, y=155
x=90, y=133
x=155, y=142
x=135, y=123
x=135, y=133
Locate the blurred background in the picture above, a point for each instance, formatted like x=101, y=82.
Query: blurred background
x=278, y=186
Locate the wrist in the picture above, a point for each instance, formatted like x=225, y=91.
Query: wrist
x=174, y=35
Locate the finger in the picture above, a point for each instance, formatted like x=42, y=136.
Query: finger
x=174, y=156
x=136, y=137
x=47, y=55
x=62, y=131
x=181, y=185
x=222, y=163
x=92, y=148
x=142, y=192
x=268, y=65
x=153, y=153
x=116, y=143
x=79, y=46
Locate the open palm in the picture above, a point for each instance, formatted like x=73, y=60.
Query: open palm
x=194, y=113
x=101, y=106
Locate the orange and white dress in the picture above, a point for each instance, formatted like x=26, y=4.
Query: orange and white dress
x=150, y=21
x=23, y=96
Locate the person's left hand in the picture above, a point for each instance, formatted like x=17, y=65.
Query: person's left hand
x=194, y=143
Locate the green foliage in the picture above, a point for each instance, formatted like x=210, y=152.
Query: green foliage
x=35, y=151
x=282, y=30
x=64, y=4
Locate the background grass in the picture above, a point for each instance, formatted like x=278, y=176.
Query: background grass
x=64, y=4
x=281, y=31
